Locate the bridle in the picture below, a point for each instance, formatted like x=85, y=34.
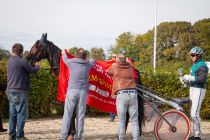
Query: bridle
x=36, y=57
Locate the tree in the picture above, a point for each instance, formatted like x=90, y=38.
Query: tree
x=174, y=41
x=97, y=54
x=202, y=36
x=73, y=50
x=25, y=54
x=144, y=47
x=125, y=44
x=4, y=54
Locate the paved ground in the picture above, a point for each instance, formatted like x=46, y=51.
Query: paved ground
x=95, y=129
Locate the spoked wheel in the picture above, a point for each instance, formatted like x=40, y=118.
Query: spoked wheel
x=179, y=120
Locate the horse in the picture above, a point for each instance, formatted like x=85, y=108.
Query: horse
x=45, y=49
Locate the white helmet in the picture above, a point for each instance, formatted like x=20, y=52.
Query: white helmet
x=196, y=50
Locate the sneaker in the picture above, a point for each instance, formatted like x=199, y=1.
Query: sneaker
x=194, y=138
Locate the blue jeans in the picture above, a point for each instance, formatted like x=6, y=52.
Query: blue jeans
x=18, y=113
x=78, y=98
x=127, y=101
x=111, y=116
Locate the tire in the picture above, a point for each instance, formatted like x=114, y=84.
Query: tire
x=178, y=119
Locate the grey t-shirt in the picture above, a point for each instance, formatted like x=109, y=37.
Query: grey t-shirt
x=79, y=72
x=18, y=70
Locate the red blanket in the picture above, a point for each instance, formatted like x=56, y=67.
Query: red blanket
x=100, y=88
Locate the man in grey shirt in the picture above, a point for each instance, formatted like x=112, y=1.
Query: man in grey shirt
x=18, y=70
x=77, y=91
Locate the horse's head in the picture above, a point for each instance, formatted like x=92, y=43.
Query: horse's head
x=38, y=50
x=44, y=49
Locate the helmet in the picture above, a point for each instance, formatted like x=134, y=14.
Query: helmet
x=196, y=50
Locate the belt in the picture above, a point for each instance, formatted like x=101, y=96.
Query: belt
x=126, y=91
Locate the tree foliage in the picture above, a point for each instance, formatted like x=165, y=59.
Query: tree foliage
x=4, y=54
x=73, y=50
x=25, y=53
x=97, y=54
x=174, y=41
x=125, y=44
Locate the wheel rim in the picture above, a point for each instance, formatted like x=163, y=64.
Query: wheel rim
x=179, y=120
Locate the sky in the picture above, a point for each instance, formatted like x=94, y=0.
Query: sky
x=89, y=23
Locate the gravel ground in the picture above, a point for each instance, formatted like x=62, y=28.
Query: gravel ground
x=95, y=129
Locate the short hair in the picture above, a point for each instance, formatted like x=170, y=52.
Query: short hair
x=81, y=53
x=17, y=49
x=120, y=58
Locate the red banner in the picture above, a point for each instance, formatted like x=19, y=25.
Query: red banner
x=100, y=88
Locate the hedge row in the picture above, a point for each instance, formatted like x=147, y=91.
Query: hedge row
x=43, y=92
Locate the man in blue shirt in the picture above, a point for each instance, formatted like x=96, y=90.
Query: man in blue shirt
x=18, y=70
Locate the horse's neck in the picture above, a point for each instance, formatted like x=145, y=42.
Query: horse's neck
x=54, y=59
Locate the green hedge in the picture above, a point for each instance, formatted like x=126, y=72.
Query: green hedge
x=42, y=95
x=43, y=92
x=3, y=97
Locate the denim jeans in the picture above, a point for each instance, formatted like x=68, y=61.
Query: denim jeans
x=127, y=102
x=18, y=113
x=111, y=116
x=78, y=98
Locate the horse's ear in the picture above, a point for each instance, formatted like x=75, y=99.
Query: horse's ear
x=45, y=36
x=42, y=38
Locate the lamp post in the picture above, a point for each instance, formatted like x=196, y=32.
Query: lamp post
x=155, y=37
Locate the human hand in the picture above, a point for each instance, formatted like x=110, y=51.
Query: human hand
x=37, y=64
x=183, y=80
x=63, y=51
x=189, y=77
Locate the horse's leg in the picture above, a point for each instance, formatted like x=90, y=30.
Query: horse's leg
x=72, y=129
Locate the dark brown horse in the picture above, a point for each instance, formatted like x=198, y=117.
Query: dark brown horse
x=45, y=49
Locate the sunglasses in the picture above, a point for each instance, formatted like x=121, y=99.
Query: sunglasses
x=193, y=55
